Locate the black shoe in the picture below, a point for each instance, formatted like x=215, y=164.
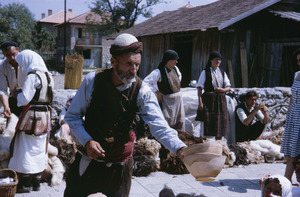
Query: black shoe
x=36, y=188
x=23, y=189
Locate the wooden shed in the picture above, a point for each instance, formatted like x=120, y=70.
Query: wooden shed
x=256, y=38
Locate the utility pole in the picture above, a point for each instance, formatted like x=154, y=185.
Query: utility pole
x=65, y=34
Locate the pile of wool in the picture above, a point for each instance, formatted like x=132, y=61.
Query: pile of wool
x=5, y=139
x=277, y=137
x=55, y=169
x=253, y=155
x=230, y=156
x=170, y=163
x=240, y=153
x=66, y=152
x=146, y=156
x=268, y=149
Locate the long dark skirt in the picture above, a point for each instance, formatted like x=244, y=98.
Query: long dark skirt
x=216, y=114
x=113, y=181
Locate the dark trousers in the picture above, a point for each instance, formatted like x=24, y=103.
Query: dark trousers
x=12, y=102
x=113, y=181
x=29, y=180
x=249, y=132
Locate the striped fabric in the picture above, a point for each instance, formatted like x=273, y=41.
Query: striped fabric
x=291, y=138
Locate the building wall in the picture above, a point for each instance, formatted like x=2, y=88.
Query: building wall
x=268, y=42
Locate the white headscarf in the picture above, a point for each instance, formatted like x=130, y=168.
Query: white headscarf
x=28, y=61
x=285, y=185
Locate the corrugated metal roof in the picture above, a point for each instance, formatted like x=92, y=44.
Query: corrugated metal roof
x=287, y=14
x=58, y=17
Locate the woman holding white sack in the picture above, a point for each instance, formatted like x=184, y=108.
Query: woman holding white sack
x=29, y=145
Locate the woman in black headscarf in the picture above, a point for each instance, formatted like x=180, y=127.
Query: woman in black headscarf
x=212, y=107
x=165, y=82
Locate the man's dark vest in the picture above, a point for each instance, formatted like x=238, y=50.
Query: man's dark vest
x=208, y=87
x=109, y=118
x=239, y=125
x=164, y=86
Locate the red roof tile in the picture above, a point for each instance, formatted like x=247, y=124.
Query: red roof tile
x=58, y=17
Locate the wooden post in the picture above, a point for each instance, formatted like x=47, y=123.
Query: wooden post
x=73, y=71
x=244, y=65
x=230, y=73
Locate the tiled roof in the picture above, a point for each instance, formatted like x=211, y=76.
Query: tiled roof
x=58, y=17
x=220, y=14
x=82, y=18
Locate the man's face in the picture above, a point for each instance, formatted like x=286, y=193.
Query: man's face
x=126, y=66
x=10, y=55
x=251, y=101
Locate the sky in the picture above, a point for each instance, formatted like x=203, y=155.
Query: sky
x=37, y=7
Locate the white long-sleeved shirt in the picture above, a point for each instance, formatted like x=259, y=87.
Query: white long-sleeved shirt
x=8, y=79
x=155, y=76
x=32, y=82
x=148, y=109
x=259, y=116
x=217, y=79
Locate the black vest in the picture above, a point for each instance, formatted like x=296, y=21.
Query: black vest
x=109, y=118
x=208, y=87
x=164, y=86
x=239, y=125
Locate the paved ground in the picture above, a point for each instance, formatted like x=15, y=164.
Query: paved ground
x=231, y=182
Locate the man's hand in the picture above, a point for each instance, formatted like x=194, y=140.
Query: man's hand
x=7, y=112
x=94, y=150
x=180, y=153
x=262, y=107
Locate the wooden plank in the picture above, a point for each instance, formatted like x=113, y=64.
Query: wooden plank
x=230, y=73
x=244, y=65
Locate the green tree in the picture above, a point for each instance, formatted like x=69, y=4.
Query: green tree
x=117, y=15
x=17, y=23
x=46, y=40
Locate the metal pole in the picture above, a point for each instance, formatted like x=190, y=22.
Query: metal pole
x=65, y=34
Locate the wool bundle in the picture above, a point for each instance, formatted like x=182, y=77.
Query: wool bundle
x=66, y=152
x=146, y=156
x=253, y=155
x=277, y=137
x=170, y=163
x=240, y=153
x=230, y=156
x=57, y=168
x=268, y=149
x=5, y=140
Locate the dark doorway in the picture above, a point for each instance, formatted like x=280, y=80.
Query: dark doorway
x=183, y=46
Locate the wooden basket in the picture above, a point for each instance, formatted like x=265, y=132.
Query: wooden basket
x=8, y=189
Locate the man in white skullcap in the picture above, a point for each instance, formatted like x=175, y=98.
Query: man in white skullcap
x=109, y=100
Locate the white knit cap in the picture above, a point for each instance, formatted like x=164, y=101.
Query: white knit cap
x=125, y=39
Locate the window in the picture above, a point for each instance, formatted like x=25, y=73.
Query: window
x=87, y=53
x=79, y=32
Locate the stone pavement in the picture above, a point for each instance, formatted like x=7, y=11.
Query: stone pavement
x=231, y=182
